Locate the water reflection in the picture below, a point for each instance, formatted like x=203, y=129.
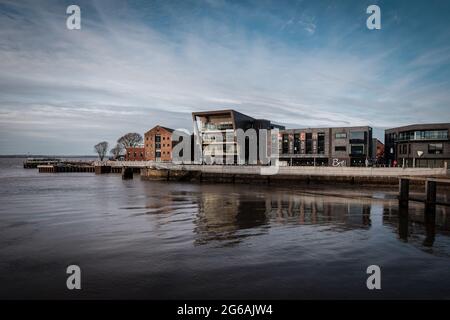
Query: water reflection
x=418, y=223
x=227, y=215
x=235, y=216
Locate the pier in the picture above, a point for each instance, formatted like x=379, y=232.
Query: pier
x=65, y=168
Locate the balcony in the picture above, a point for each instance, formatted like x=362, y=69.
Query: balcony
x=216, y=127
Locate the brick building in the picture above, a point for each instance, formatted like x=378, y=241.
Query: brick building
x=158, y=144
x=135, y=153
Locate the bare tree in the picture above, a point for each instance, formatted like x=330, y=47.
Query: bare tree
x=101, y=148
x=117, y=151
x=131, y=139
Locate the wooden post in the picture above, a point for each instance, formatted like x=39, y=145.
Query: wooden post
x=102, y=169
x=403, y=197
x=127, y=173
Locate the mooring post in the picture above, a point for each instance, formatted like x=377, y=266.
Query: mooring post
x=403, y=197
x=127, y=173
x=430, y=202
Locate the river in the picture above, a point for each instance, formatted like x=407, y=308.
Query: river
x=138, y=239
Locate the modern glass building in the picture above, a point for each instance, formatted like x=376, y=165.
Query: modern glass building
x=216, y=138
x=343, y=146
x=418, y=145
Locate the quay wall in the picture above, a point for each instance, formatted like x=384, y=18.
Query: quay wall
x=287, y=170
x=285, y=175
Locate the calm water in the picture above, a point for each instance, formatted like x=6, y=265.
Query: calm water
x=141, y=239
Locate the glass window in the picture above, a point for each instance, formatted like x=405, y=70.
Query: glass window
x=435, y=148
x=431, y=135
x=296, y=143
x=321, y=143
x=340, y=135
x=357, y=135
x=357, y=150
x=309, y=143
x=285, y=144
x=340, y=148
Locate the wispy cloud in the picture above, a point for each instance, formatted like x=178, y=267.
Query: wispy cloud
x=122, y=73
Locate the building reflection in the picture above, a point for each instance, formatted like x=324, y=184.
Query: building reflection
x=234, y=217
x=227, y=215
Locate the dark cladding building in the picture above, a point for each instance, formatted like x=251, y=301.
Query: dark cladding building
x=418, y=145
x=344, y=146
x=208, y=125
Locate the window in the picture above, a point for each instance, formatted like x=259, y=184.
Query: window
x=341, y=135
x=158, y=154
x=405, y=136
x=340, y=148
x=285, y=143
x=403, y=149
x=357, y=135
x=431, y=135
x=296, y=143
x=321, y=143
x=423, y=135
x=309, y=143
x=435, y=148
x=357, y=150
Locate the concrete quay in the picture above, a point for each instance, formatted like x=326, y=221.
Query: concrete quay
x=285, y=175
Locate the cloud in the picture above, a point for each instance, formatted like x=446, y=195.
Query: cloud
x=121, y=73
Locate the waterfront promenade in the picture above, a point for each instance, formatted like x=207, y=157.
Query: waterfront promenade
x=151, y=170
x=283, y=170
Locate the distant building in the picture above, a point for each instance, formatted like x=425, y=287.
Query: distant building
x=158, y=144
x=209, y=124
x=418, y=145
x=135, y=153
x=377, y=151
x=344, y=146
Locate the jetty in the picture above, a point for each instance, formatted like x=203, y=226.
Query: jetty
x=33, y=163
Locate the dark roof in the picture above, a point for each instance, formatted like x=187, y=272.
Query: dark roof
x=424, y=126
x=199, y=113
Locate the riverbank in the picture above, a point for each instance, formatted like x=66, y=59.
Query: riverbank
x=285, y=175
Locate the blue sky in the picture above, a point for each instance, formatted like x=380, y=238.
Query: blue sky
x=135, y=64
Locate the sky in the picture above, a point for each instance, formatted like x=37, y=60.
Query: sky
x=136, y=64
